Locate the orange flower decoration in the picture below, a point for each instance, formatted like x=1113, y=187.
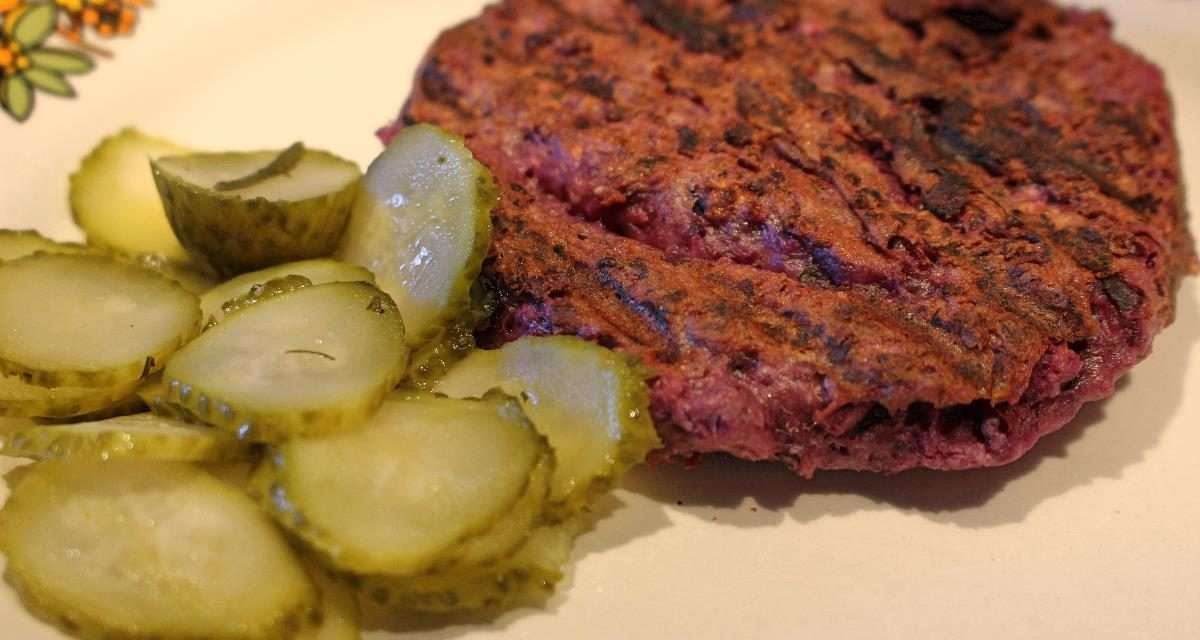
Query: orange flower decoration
x=106, y=18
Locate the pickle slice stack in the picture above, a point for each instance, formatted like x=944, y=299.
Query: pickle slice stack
x=322, y=438
x=588, y=402
x=402, y=492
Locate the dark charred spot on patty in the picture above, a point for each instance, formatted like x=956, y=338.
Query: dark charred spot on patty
x=655, y=315
x=595, y=85
x=436, y=84
x=535, y=41
x=697, y=35
x=948, y=197
x=1145, y=203
x=1124, y=297
x=983, y=22
x=688, y=139
x=739, y=135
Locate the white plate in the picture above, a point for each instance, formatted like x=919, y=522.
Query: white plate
x=1096, y=534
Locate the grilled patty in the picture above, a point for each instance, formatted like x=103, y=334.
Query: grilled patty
x=876, y=234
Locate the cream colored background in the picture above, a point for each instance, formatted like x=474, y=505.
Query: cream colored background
x=1096, y=534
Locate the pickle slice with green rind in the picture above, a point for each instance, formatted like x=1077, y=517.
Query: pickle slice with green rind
x=421, y=224
x=423, y=475
x=142, y=435
x=115, y=202
x=21, y=400
x=588, y=402
x=296, y=215
x=140, y=549
x=89, y=321
x=313, y=361
x=318, y=271
x=527, y=577
x=18, y=243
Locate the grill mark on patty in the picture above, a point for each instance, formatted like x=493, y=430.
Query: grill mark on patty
x=697, y=35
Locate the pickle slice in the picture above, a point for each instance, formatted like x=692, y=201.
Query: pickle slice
x=509, y=532
x=260, y=293
x=264, y=219
x=142, y=435
x=89, y=321
x=524, y=578
x=20, y=243
x=18, y=399
x=421, y=224
x=392, y=497
x=338, y=618
x=317, y=360
x=318, y=271
x=140, y=549
x=187, y=277
x=114, y=200
x=588, y=402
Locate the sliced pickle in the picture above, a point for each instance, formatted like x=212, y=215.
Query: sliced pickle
x=317, y=360
x=237, y=212
x=260, y=293
x=140, y=549
x=89, y=321
x=588, y=402
x=187, y=276
x=318, y=271
x=509, y=532
x=424, y=474
x=142, y=435
x=20, y=243
x=422, y=224
x=19, y=399
x=338, y=617
x=114, y=200
x=527, y=577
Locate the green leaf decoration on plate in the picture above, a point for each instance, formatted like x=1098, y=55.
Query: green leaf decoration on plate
x=61, y=60
x=29, y=60
x=17, y=96
x=49, y=81
x=35, y=25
